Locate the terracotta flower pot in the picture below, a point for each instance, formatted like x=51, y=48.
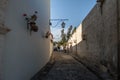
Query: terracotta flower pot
x=34, y=27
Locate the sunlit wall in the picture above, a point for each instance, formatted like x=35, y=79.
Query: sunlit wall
x=25, y=54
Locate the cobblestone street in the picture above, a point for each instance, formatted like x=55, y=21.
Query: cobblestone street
x=67, y=68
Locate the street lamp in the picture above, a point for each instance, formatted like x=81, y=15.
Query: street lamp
x=57, y=22
x=63, y=24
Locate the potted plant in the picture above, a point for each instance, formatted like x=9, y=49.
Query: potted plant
x=31, y=24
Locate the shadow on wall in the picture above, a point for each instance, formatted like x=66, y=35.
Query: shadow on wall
x=97, y=41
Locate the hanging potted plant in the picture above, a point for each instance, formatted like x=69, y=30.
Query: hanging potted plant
x=31, y=24
x=49, y=34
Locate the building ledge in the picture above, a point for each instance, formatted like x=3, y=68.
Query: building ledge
x=3, y=29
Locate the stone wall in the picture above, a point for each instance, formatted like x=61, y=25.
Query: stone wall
x=101, y=36
x=118, y=8
x=75, y=39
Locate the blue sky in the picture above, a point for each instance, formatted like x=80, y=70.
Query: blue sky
x=74, y=10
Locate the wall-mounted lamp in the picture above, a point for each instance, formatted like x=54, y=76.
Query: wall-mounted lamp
x=100, y=3
x=31, y=24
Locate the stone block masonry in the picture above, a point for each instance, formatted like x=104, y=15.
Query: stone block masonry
x=101, y=43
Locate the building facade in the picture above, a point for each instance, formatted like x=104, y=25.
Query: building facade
x=23, y=52
x=100, y=35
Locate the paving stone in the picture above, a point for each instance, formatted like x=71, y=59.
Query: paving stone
x=67, y=68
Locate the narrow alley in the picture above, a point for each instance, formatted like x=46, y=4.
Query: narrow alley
x=59, y=39
x=66, y=68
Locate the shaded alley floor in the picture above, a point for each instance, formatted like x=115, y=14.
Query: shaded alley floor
x=67, y=68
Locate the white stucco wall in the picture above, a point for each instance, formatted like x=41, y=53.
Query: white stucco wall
x=77, y=36
x=51, y=45
x=1, y=50
x=25, y=55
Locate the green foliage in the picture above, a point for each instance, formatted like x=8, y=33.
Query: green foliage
x=74, y=30
x=62, y=33
x=54, y=43
x=65, y=36
x=69, y=32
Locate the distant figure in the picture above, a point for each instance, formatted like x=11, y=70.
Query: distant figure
x=59, y=48
x=55, y=48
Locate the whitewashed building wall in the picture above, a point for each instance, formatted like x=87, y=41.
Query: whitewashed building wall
x=24, y=54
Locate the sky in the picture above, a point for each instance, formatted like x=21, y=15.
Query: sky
x=73, y=10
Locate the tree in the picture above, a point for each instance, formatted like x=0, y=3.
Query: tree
x=74, y=30
x=62, y=32
x=69, y=32
x=65, y=36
